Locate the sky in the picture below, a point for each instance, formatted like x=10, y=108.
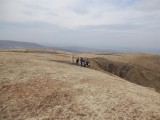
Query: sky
x=102, y=24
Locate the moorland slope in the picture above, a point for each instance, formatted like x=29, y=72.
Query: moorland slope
x=40, y=86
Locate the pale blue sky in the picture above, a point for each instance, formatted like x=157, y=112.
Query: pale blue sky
x=106, y=24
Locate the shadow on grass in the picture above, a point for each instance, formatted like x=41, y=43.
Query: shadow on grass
x=62, y=61
x=67, y=62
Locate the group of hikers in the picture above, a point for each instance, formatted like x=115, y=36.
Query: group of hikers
x=82, y=61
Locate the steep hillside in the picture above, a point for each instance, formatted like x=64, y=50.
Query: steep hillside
x=48, y=86
x=136, y=73
x=142, y=69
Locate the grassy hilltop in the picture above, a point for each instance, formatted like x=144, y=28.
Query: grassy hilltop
x=46, y=86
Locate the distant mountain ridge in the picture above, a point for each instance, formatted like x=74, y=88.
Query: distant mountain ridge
x=10, y=44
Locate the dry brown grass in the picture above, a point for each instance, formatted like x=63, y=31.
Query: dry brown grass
x=142, y=69
x=140, y=74
x=47, y=86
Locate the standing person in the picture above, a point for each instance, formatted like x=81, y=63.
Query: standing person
x=87, y=63
x=72, y=58
x=77, y=60
x=81, y=60
x=84, y=62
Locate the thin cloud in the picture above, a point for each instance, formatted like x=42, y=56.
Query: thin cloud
x=33, y=6
x=116, y=27
x=148, y=5
x=88, y=21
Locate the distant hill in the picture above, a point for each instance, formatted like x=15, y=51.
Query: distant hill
x=9, y=44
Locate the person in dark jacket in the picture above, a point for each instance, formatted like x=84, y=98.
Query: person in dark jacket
x=81, y=60
x=87, y=63
x=77, y=60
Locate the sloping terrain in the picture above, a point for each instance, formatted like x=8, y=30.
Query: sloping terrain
x=145, y=76
x=142, y=69
x=48, y=86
